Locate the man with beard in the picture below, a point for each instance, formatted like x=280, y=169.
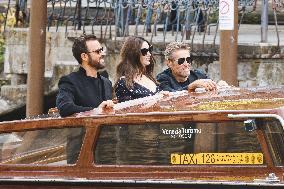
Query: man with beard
x=85, y=89
x=179, y=75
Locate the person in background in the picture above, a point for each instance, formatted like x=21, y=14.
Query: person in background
x=149, y=14
x=179, y=75
x=85, y=89
x=134, y=72
x=172, y=23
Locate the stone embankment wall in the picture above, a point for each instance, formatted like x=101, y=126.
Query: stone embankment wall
x=256, y=64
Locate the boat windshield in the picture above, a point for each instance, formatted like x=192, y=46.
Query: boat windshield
x=187, y=143
x=46, y=146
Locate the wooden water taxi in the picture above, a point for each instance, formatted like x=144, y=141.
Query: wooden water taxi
x=230, y=138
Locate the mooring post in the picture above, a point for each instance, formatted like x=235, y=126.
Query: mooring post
x=36, y=67
x=228, y=40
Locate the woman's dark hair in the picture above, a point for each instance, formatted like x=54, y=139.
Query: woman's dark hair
x=80, y=46
x=130, y=65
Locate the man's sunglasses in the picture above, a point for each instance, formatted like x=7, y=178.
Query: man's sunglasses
x=98, y=51
x=144, y=51
x=180, y=61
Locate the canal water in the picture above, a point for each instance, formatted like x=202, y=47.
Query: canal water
x=9, y=112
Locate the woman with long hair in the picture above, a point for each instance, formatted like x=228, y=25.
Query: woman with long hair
x=135, y=70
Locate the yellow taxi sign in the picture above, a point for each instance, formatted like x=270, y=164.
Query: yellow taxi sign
x=217, y=158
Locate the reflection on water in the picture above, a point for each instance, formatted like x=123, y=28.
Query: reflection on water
x=149, y=145
x=4, y=105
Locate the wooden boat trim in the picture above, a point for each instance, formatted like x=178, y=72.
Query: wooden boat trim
x=133, y=117
x=147, y=182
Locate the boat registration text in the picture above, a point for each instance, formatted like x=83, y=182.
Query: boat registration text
x=217, y=158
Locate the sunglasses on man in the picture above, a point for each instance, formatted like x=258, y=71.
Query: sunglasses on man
x=98, y=51
x=180, y=61
x=144, y=51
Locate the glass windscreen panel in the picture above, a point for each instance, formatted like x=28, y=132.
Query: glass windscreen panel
x=274, y=135
x=157, y=144
x=43, y=147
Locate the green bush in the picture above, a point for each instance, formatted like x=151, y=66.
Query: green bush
x=251, y=18
x=213, y=17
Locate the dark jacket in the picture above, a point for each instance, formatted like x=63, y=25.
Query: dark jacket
x=79, y=92
x=169, y=83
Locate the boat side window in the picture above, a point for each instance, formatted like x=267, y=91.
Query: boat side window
x=158, y=143
x=274, y=135
x=47, y=146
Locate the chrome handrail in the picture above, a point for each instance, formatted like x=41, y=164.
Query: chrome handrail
x=258, y=116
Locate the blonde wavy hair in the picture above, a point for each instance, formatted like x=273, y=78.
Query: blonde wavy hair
x=173, y=46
